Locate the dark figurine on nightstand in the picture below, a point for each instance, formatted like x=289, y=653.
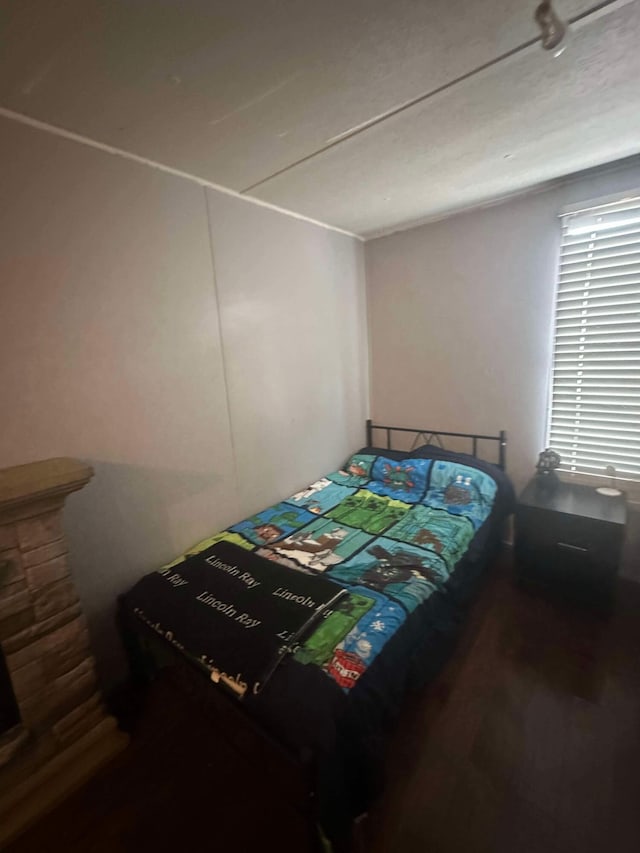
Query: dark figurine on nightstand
x=546, y=477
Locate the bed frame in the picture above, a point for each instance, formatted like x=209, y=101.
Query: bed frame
x=180, y=690
x=435, y=437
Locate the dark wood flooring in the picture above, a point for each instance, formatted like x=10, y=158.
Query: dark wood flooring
x=528, y=742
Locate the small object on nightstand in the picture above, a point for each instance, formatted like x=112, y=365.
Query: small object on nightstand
x=546, y=479
x=610, y=491
x=548, y=461
x=569, y=540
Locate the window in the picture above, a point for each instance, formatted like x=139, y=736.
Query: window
x=594, y=413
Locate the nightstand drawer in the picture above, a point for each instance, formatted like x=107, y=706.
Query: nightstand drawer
x=565, y=536
x=567, y=572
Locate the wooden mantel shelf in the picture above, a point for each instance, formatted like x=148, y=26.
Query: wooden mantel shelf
x=37, y=480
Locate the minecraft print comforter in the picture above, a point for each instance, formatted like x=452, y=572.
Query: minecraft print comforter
x=387, y=531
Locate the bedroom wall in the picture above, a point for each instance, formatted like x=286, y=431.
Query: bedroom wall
x=187, y=392
x=461, y=313
x=295, y=343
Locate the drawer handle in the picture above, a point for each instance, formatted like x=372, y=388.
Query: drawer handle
x=572, y=547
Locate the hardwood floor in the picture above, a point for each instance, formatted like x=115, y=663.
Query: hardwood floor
x=528, y=742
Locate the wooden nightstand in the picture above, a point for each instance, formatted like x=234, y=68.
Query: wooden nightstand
x=569, y=539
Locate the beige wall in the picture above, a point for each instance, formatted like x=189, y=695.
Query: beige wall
x=118, y=346
x=292, y=308
x=461, y=313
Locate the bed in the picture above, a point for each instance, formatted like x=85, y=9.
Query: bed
x=302, y=628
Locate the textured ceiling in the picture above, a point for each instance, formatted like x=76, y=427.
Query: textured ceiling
x=251, y=95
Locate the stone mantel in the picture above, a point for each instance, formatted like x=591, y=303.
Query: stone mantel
x=61, y=732
x=24, y=489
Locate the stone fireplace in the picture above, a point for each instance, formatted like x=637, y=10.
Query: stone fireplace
x=54, y=732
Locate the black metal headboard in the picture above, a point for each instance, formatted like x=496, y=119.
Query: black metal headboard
x=431, y=435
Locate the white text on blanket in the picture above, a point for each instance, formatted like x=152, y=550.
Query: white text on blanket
x=245, y=577
x=173, y=577
x=227, y=609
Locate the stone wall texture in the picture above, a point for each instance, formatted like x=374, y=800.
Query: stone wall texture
x=43, y=637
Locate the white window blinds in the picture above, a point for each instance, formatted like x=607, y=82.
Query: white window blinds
x=594, y=418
